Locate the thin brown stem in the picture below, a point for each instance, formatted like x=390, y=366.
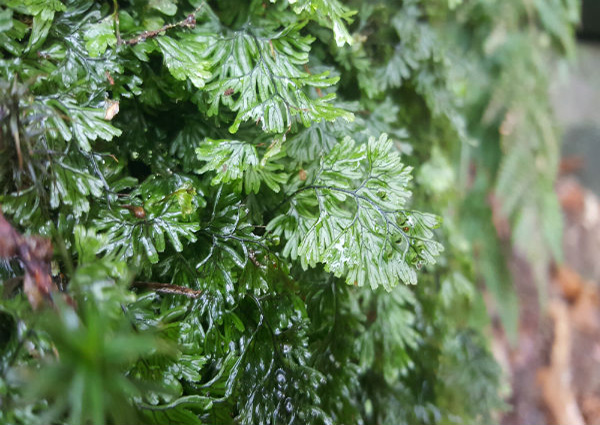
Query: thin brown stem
x=188, y=22
x=167, y=288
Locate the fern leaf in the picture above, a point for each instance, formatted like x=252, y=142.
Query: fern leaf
x=353, y=217
x=258, y=77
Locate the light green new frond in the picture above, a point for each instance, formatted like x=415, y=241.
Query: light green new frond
x=6, y=22
x=161, y=207
x=84, y=124
x=328, y=13
x=230, y=158
x=353, y=217
x=44, y=8
x=99, y=36
x=128, y=236
x=72, y=186
x=183, y=59
x=238, y=162
x=259, y=78
x=168, y=7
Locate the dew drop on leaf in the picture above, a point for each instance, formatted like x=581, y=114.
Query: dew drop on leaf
x=288, y=405
x=280, y=377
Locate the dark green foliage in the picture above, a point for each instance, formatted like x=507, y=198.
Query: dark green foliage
x=228, y=187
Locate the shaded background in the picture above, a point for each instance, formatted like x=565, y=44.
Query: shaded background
x=555, y=368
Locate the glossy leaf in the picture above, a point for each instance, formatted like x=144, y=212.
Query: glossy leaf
x=258, y=77
x=353, y=217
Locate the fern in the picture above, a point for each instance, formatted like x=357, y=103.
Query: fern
x=258, y=77
x=237, y=237
x=351, y=218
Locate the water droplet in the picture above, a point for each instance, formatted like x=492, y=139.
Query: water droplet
x=288, y=405
x=280, y=377
x=286, y=348
x=368, y=407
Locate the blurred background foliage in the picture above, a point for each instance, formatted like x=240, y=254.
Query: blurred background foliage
x=206, y=174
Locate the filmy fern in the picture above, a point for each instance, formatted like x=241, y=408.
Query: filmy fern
x=351, y=216
x=228, y=188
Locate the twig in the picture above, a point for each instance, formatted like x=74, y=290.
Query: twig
x=167, y=288
x=556, y=379
x=188, y=22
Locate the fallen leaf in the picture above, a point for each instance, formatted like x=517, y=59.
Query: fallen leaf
x=584, y=312
x=112, y=109
x=569, y=281
x=555, y=379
